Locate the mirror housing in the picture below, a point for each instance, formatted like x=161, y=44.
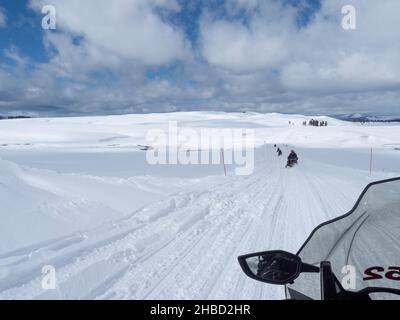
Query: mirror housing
x=274, y=267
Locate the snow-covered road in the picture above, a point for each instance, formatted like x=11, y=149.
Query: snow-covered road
x=185, y=246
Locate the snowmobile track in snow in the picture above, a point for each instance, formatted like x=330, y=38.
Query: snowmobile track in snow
x=185, y=247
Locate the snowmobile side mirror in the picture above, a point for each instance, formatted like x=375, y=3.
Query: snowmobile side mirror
x=274, y=267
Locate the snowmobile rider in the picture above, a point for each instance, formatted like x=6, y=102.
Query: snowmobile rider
x=292, y=159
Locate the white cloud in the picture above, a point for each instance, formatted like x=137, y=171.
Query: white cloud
x=320, y=57
x=14, y=54
x=3, y=18
x=261, y=44
x=328, y=58
x=77, y=61
x=125, y=29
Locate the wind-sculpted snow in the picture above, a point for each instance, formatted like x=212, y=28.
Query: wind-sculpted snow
x=186, y=245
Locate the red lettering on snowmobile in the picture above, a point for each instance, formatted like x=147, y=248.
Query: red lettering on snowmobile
x=373, y=273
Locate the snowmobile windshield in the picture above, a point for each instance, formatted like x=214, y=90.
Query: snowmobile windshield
x=364, y=243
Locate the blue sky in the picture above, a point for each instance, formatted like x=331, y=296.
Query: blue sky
x=23, y=30
x=128, y=56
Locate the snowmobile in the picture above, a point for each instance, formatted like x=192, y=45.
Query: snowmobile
x=353, y=257
x=291, y=163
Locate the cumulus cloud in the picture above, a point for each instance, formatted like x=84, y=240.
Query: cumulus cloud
x=3, y=18
x=98, y=58
x=260, y=55
x=326, y=57
x=320, y=56
x=124, y=29
x=305, y=62
x=263, y=42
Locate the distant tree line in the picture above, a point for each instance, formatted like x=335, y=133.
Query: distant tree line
x=316, y=123
x=13, y=117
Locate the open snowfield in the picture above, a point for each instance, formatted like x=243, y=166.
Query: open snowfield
x=78, y=194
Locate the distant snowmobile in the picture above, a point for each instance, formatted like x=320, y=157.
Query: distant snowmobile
x=353, y=257
x=292, y=159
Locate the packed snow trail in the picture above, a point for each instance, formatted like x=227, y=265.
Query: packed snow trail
x=186, y=246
